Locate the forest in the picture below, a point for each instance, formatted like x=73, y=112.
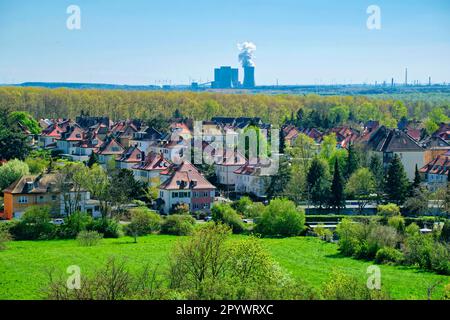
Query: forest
x=275, y=109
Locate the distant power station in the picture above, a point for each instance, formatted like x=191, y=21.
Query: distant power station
x=227, y=77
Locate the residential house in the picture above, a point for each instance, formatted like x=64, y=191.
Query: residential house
x=149, y=169
x=129, y=158
x=386, y=143
x=43, y=190
x=145, y=138
x=109, y=151
x=253, y=178
x=226, y=162
x=436, y=171
x=186, y=185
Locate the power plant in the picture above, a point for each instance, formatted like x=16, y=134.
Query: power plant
x=227, y=77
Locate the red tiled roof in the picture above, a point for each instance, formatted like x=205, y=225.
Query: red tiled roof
x=186, y=176
x=153, y=161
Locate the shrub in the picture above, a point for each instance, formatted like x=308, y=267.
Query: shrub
x=281, y=218
x=380, y=237
x=388, y=210
x=398, y=223
x=73, y=225
x=108, y=227
x=440, y=258
x=143, y=222
x=34, y=225
x=323, y=233
x=181, y=208
x=418, y=249
x=412, y=230
x=242, y=205
x=5, y=237
x=388, y=255
x=226, y=214
x=255, y=210
x=180, y=225
x=89, y=238
x=344, y=287
x=350, y=236
x=445, y=232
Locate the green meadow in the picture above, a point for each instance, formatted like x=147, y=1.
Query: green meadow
x=25, y=265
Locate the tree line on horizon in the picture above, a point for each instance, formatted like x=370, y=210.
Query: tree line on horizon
x=323, y=111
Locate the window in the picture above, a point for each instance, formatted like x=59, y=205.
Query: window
x=53, y=197
x=23, y=199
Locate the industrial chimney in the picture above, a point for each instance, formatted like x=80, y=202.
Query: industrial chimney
x=249, y=77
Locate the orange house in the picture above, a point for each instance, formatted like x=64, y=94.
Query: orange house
x=29, y=191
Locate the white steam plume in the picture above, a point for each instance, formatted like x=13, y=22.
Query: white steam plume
x=246, y=55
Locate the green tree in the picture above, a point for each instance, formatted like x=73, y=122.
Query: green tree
x=397, y=184
x=25, y=120
x=98, y=184
x=143, y=222
x=417, y=180
x=225, y=214
x=352, y=161
x=318, y=183
x=361, y=185
x=93, y=159
x=376, y=167
x=328, y=146
x=280, y=180
x=12, y=171
x=387, y=211
x=281, y=218
x=337, y=197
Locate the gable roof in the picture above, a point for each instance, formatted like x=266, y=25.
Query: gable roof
x=392, y=140
x=30, y=184
x=186, y=177
x=107, y=148
x=440, y=165
x=153, y=161
x=132, y=154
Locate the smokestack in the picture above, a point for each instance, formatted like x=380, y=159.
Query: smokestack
x=246, y=58
x=406, y=76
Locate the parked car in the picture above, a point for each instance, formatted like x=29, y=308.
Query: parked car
x=58, y=221
x=208, y=218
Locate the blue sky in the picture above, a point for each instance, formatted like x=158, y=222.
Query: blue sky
x=298, y=41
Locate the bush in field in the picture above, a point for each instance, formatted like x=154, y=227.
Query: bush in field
x=242, y=205
x=5, y=237
x=388, y=210
x=389, y=255
x=110, y=228
x=412, y=229
x=281, y=218
x=181, y=208
x=179, y=225
x=344, y=287
x=255, y=210
x=418, y=250
x=89, y=238
x=226, y=214
x=34, y=225
x=73, y=225
x=323, y=233
x=143, y=222
x=440, y=258
x=380, y=237
x=398, y=223
x=445, y=232
x=350, y=234
x=207, y=266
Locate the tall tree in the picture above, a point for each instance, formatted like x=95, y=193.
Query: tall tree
x=417, y=180
x=397, y=184
x=93, y=159
x=376, y=167
x=337, y=198
x=280, y=180
x=352, y=161
x=361, y=185
x=318, y=182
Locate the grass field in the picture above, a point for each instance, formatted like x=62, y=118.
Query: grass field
x=24, y=264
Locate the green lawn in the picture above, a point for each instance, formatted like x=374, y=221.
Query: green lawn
x=24, y=265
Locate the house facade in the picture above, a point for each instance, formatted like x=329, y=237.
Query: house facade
x=186, y=185
x=42, y=190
